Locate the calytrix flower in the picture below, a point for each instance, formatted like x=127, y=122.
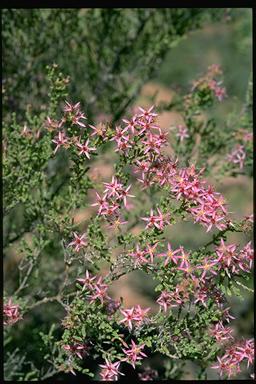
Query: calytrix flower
x=78, y=242
x=85, y=149
x=110, y=371
x=11, y=313
x=134, y=353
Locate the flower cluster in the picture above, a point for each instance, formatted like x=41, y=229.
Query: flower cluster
x=230, y=363
x=109, y=371
x=73, y=116
x=232, y=261
x=115, y=194
x=158, y=221
x=208, y=82
x=97, y=288
x=133, y=316
x=134, y=353
x=11, y=313
x=237, y=156
x=140, y=256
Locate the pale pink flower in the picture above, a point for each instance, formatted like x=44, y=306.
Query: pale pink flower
x=123, y=194
x=147, y=114
x=11, y=313
x=131, y=124
x=69, y=108
x=237, y=156
x=110, y=371
x=164, y=300
x=156, y=221
x=88, y=280
x=100, y=130
x=99, y=291
x=120, y=135
x=113, y=188
x=59, y=141
x=182, y=132
x=101, y=202
x=85, y=149
x=130, y=316
x=78, y=242
x=76, y=119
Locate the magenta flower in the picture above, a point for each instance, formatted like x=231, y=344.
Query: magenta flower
x=158, y=221
x=110, y=371
x=11, y=313
x=130, y=315
x=87, y=281
x=78, y=242
x=134, y=353
x=170, y=255
x=85, y=149
x=207, y=267
x=139, y=256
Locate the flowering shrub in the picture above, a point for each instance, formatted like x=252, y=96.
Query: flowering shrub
x=192, y=321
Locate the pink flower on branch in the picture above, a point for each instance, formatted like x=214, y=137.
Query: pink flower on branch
x=170, y=255
x=84, y=149
x=78, y=242
x=60, y=140
x=134, y=353
x=78, y=349
x=110, y=371
x=11, y=313
x=156, y=221
x=87, y=281
x=133, y=316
